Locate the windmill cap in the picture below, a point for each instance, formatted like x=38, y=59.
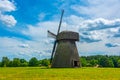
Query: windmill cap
x=68, y=35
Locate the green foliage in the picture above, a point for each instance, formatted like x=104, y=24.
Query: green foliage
x=118, y=63
x=5, y=62
x=0, y=64
x=111, y=63
x=44, y=62
x=23, y=63
x=99, y=61
x=86, y=61
x=10, y=64
x=83, y=62
x=16, y=62
x=106, y=62
x=33, y=62
x=94, y=62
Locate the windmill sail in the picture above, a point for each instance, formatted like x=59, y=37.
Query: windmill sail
x=50, y=34
x=54, y=47
x=60, y=22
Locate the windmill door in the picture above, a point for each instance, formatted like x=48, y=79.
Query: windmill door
x=75, y=63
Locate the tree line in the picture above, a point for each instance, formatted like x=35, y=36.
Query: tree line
x=16, y=62
x=100, y=61
x=86, y=61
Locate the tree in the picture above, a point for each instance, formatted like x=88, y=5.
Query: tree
x=0, y=64
x=33, y=62
x=106, y=62
x=5, y=62
x=118, y=63
x=23, y=63
x=111, y=63
x=10, y=64
x=94, y=62
x=16, y=62
x=115, y=60
x=83, y=61
x=22, y=60
x=45, y=62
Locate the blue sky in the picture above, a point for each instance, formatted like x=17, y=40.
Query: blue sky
x=24, y=25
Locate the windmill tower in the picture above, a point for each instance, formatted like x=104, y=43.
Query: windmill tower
x=64, y=53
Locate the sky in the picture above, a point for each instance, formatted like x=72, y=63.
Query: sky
x=24, y=25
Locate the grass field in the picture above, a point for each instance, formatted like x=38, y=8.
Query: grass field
x=36, y=73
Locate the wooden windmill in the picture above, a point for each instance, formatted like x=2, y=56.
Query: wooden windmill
x=64, y=53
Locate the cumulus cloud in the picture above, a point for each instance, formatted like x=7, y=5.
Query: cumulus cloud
x=112, y=44
x=40, y=30
x=100, y=23
x=98, y=29
x=24, y=45
x=8, y=20
x=7, y=6
x=97, y=48
x=117, y=35
x=14, y=47
x=92, y=30
x=99, y=8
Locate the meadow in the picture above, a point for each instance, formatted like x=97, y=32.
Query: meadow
x=37, y=73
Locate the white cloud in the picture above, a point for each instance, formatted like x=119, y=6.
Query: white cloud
x=112, y=45
x=8, y=20
x=73, y=19
x=41, y=16
x=97, y=48
x=7, y=6
x=96, y=33
x=40, y=30
x=99, y=29
x=24, y=45
x=99, y=8
x=14, y=47
x=101, y=23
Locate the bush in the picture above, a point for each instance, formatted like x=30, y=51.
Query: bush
x=33, y=62
x=44, y=62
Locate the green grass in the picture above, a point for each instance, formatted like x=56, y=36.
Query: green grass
x=36, y=73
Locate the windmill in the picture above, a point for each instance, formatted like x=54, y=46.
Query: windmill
x=64, y=53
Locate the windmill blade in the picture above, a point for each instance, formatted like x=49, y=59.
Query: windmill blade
x=50, y=34
x=60, y=22
x=54, y=46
